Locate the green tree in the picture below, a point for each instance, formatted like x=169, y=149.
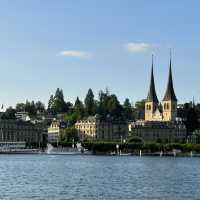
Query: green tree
x=114, y=108
x=9, y=114
x=109, y=106
x=79, y=108
x=127, y=109
x=89, y=103
x=40, y=106
x=20, y=107
x=140, y=105
x=50, y=104
x=57, y=103
x=192, y=123
x=30, y=108
x=59, y=94
x=139, y=109
x=69, y=135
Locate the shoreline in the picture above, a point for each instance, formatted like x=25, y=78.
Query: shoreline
x=156, y=154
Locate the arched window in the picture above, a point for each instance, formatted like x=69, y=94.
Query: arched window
x=167, y=106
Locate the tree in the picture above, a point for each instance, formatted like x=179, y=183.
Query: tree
x=40, y=106
x=192, y=120
x=89, y=103
x=50, y=104
x=139, y=109
x=30, y=108
x=109, y=106
x=79, y=108
x=57, y=103
x=20, y=107
x=59, y=94
x=140, y=105
x=114, y=108
x=70, y=135
x=127, y=109
x=9, y=114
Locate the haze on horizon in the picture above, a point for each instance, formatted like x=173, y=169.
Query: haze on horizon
x=77, y=45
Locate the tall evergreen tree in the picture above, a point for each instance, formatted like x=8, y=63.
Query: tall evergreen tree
x=59, y=105
x=40, y=107
x=59, y=94
x=50, y=104
x=89, y=103
x=127, y=109
x=79, y=108
x=109, y=106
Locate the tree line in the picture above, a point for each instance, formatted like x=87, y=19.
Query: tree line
x=106, y=106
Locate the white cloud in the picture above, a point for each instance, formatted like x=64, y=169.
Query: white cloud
x=138, y=47
x=72, y=53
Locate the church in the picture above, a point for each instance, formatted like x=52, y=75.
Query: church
x=161, y=123
x=167, y=110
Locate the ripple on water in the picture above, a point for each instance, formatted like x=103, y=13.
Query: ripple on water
x=98, y=177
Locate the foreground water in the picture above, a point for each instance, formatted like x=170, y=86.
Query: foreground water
x=98, y=177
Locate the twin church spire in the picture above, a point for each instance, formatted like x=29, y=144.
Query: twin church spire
x=152, y=97
x=167, y=111
x=169, y=93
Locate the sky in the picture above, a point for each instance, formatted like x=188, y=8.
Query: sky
x=80, y=44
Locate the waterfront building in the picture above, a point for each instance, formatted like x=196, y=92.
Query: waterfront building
x=21, y=131
x=24, y=116
x=55, y=130
x=161, y=122
x=159, y=131
x=94, y=128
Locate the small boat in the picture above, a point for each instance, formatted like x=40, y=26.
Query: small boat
x=125, y=154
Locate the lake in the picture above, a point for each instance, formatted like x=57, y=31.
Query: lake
x=98, y=177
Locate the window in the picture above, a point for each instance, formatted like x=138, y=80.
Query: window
x=167, y=106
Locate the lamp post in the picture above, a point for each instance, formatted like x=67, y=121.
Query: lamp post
x=117, y=148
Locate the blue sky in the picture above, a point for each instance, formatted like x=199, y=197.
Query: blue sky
x=77, y=44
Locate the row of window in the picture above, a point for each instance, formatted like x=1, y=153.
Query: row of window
x=166, y=106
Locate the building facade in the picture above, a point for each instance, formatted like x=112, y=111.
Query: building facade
x=158, y=131
x=94, y=128
x=21, y=131
x=22, y=116
x=160, y=122
x=55, y=130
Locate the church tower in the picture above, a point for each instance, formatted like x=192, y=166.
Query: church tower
x=151, y=103
x=170, y=100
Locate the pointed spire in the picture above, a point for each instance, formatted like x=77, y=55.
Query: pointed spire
x=152, y=97
x=170, y=94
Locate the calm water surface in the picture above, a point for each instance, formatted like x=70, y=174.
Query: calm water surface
x=98, y=177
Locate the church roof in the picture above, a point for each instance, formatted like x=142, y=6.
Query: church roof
x=170, y=94
x=152, y=97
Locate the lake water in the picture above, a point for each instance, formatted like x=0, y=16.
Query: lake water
x=98, y=177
